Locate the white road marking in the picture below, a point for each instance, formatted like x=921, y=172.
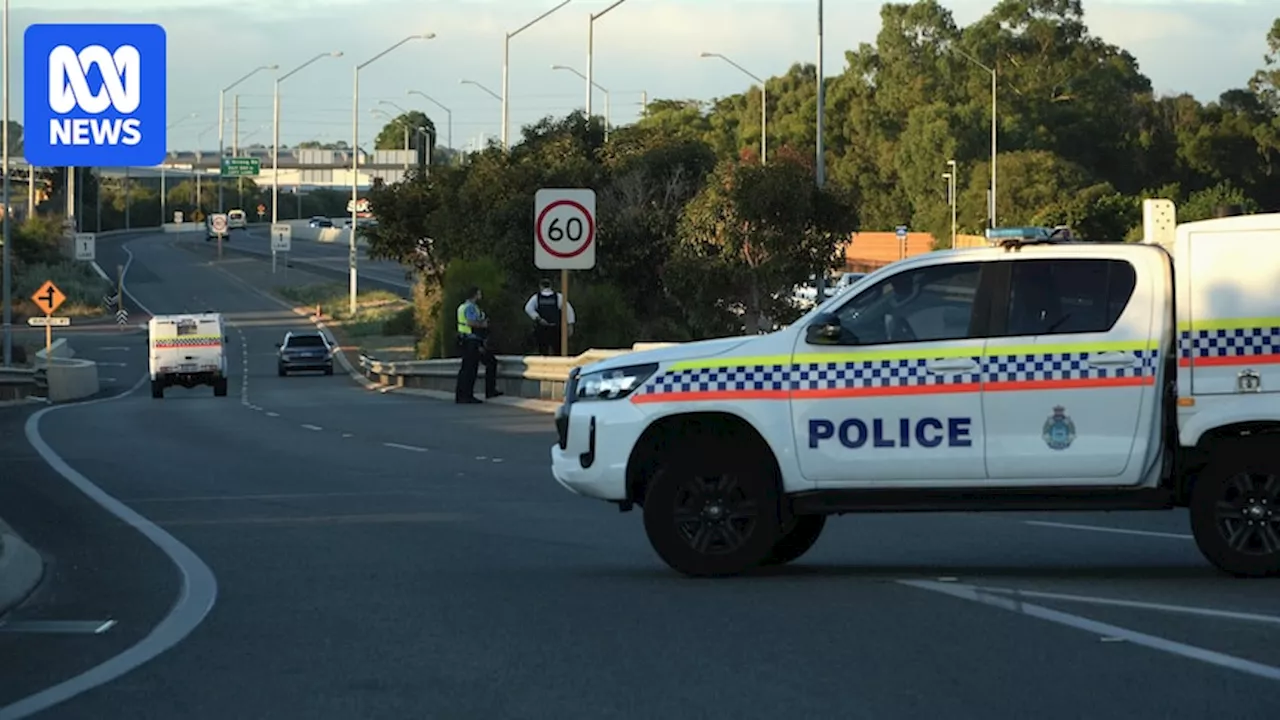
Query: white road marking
x=347, y=435
x=1139, y=605
x=112, y=364
x=59, y=627
x=273, y=414
x=115, y=348
x=107, y=379
x=1191, y=652
x=398, y=446
x=198, y=586
x=313, y=427
x=497, y=460
x=1118, y=531
x=278, y=496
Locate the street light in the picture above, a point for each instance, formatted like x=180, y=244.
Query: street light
x=495, y=95
x=163, y=199
x=506, y=65
x=404, y=123
x=591, y=53
x=8, y=276
x=764, y=104
x=222, y=102
x=820, y=155
x=953, y=176
x=597, y=86
x=355, y=159
x=991, y=210
x=275, y=132
x=448, y=114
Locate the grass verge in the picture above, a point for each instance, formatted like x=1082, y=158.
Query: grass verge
x=382, y=325
x=83, y=287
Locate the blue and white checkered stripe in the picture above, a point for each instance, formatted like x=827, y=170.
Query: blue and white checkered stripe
x=891, y=373
x=1236, y=342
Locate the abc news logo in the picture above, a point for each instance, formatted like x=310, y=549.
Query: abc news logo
x=69, y=92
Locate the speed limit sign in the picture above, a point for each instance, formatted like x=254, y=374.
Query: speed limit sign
x=564, y=229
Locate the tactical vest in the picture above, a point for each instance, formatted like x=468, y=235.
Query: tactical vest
x=548, y=308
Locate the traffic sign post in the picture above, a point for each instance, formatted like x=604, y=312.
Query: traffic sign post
x=564, y=239
x=48, y=298
x=122, y=315
x=49, y=321
x=218, y=224
x=281, y=242
x=86, y=246
x=262, y=210
x=902, y=241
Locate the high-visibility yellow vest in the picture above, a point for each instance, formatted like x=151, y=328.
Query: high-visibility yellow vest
x=464, y=327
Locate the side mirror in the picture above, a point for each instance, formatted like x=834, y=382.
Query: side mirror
x=825, y=329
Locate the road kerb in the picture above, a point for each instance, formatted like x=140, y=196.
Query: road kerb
x=21, y=569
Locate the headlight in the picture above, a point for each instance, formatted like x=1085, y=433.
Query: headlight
x=613, y=384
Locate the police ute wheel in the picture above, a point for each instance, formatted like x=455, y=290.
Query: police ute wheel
x=1235, y=510
x=157, y=389
x=711, y=512
x=797, y=537
x=220, y=387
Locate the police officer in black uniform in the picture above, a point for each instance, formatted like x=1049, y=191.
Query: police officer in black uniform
x=543, y=309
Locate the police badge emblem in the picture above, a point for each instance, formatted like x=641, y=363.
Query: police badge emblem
x=1059, y=432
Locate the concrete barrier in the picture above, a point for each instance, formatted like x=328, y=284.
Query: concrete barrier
x=532, y=377
x=58, y=349
x=67, y=378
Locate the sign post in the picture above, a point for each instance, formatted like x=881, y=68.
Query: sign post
x=48, y=298
x=564, y=239
x=218, y=223
x=86, y=246
x=902, y=241
x=122, y=315
x=281, y=242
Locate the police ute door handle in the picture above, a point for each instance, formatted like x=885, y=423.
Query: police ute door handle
x=952, y=365
x=1112, y=359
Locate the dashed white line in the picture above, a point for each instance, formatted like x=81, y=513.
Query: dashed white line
x=1098, y=528
x=313, y=427
x=115, y=348
x=112, y=364
x=1139, y=605
x=398, y=446
x=273, y=414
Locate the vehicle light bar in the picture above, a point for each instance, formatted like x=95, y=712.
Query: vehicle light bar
x=1029, y=234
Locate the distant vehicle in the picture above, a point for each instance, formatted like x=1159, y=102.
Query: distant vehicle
x=304, y=351
x=187, y=350
x=846, y=279
x=320, y=222
x=236, y=220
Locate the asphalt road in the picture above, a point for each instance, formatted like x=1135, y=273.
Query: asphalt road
x=389, y=557
x=331, y=259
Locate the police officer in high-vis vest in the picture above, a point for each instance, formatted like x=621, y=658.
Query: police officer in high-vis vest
x=473, y=331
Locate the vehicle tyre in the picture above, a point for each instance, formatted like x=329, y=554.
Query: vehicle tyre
x=220, y=387
x=157, y=389
x=1235, y=510
x=281, y=371
x=328, y=369
x=711, y=512
x=796, y=540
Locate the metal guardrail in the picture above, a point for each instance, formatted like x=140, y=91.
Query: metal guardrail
x=17, y=383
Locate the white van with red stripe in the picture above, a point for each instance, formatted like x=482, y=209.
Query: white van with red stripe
x=187, y=350
x=1037, y=374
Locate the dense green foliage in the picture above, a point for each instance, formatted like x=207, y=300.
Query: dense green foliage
x=697, y=239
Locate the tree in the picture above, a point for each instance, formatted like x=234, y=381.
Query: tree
x=16, y=135
x=405, y=125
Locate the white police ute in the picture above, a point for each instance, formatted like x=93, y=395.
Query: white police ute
x=1039, y=373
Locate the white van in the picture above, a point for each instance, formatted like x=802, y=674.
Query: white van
x=187, y=350
x=236, y=220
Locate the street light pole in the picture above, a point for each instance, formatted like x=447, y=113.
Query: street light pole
x=355, y=163
x=591, y=55
x=764, y=105
x=275, y=132
x=163, y=198
x=596, y=86
x=506, y=66
x=8, y=237
x=448, y=115
x=995, y=108
x=222, y=106
x=954, y=175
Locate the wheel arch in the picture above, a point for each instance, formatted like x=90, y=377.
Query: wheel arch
x=697, y=427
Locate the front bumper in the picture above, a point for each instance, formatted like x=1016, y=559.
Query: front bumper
x=306, y=363
x=597, y=438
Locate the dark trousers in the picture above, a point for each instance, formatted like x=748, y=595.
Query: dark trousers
x=473, y=353
x=547, y=338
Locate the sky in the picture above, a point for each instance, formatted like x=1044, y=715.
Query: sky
x=642, y=47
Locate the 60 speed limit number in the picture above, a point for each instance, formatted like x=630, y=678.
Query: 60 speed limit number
x=564, y=230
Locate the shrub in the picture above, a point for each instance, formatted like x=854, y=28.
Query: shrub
x=83, y=287
x=400, y=323
x=510, y=331
x=604, y=318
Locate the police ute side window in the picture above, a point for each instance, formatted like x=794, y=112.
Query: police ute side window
x=928, y=304
x=1064, y=296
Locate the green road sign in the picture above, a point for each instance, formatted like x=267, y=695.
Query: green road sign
x=240, y=166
